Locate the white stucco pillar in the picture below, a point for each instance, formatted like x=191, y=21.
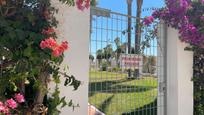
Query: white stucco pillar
x=74, y=27
x=179, y=74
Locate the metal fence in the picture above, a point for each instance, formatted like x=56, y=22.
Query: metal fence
x=125, y=79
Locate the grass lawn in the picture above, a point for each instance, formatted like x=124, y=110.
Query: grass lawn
x=114, y=94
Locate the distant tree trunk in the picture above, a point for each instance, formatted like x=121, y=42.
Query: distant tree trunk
x=138, y=32
x=129, y=2
x=138, y=26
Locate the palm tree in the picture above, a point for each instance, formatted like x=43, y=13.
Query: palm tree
x=129, y=3
x=99, y=56
x=138, y=26
x=138, y=31
x=91, y=57
x=120, y=48
x=108, y=51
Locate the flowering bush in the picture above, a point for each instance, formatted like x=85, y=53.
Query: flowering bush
x=82, y=4
x=30, y=57
x=10, y=105
x=186, y=16
x=148, y=20
x=57, y=50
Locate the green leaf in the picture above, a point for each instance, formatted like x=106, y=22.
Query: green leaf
x=31, y=17
x=63, y=101
x=28, y=51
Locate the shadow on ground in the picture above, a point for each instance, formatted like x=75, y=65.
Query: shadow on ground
x=150, y=109
x=116, y=87
x=105, y=104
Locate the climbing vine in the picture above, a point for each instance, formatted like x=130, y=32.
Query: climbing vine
x=30, y=57
x=187, y=16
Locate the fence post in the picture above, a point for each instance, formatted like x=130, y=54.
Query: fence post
x=179, y=74
x=74, y=26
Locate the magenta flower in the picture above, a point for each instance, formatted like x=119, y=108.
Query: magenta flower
x=82, y=4
x=6, y=110
x=148, y=20
x=19, y=98
x=11, y=103
x=2, y=107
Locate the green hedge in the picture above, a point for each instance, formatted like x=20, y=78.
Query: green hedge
x=198, y=82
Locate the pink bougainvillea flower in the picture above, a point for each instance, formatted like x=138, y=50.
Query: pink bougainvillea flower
x=82, y=4
x=64, y=45
x=51, y=43
x=2, y=107
x=6, y=110
x=48, y=43
x=87, y=5
x=79, y=4
x=19, y=98
x=60, y=49
x=11, y=103
x=56, y=52
x=43, y=44
x=148, y=20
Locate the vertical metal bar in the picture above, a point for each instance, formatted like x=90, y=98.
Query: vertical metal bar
x=101, y=46
x=106, y=28
x=96, y=71
x=165, y=68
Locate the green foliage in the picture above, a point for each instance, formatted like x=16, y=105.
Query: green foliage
x=69, y=2
x=91, y=57
x=117, y=69
x=71, y=81
x=104, y=66
x=198, y=82
x=54, y=101
x=22, y=60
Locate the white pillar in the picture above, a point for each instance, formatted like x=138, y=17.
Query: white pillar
x=179, y=74
x=74, y=27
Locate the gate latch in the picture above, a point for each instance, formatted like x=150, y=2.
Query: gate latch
x=162, y=87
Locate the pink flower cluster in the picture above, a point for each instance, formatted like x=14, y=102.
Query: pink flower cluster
x=11, y=103
x=82, y=4
x=51, y=43
x=148, y=20
x=187, y=17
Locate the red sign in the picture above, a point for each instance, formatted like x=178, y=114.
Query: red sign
x=130, y=61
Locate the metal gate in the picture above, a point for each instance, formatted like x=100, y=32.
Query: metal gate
x=125, y=79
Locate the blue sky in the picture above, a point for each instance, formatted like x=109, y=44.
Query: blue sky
x=121, y=5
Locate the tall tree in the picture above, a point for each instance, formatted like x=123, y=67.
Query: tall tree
x=108, y=52
x=99, y=56
x=120, y=48
x=129, y=4
x=138, y=25
x=91, y=57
